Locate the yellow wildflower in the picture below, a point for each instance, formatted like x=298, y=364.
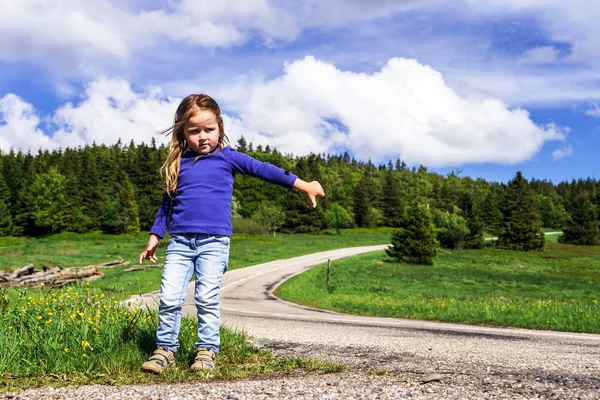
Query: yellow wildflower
x=66, y=349
x=10, y=328
x=39, y=317
x=85, y=345
x=49, y=321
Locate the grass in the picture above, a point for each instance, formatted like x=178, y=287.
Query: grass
x=70, y=249
x=80, y=336
x=555, y=289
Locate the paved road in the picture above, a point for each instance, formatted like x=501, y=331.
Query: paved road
x=504, y=356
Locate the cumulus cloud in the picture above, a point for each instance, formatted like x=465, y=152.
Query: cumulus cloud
x=565, y=151
x=594, y=111
x=19, y=126
x=109, y=110
x=86, y=36
x=405, y=109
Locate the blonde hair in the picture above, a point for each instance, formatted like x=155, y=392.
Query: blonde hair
x=178, y=145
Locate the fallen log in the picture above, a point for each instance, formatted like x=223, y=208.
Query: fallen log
x=53, y=277
x=142, y=267
x=110, y=264
x=26, y=270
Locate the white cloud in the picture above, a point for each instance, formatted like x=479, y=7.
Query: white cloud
x=574, y=22
x=405, y=110
x=565, y=151
x=332, y=13
x=594, y=111
x=109, y=110
x=88, y=36
x=529, y=87
x=540, y=55
x=19, y=126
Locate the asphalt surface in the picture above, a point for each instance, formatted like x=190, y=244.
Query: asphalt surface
x=458, y=352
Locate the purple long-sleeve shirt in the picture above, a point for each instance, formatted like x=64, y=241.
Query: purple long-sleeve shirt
x=204, y=190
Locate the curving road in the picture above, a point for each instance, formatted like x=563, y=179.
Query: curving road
x=514, y=361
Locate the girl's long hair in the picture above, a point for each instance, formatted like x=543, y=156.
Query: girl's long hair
x=178, y=145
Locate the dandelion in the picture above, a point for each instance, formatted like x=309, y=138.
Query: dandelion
x=42, y=284
x=49, y=321
x=49, y=313
x=85, y=345
x=10, y=328
x=66, y=349
x=39, y=317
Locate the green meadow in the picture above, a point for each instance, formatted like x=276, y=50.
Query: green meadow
x=71, y=249
x=555, y=289
x=80, y=335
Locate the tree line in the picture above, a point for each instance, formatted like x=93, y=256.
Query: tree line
x=117, y=189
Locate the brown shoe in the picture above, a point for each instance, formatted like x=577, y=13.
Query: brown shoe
x=159, y=360
x=205, y=360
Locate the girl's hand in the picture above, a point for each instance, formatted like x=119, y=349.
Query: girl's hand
x=149, y=253
x=313, y=190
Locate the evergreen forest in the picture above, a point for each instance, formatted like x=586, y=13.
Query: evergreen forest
x=118, y=188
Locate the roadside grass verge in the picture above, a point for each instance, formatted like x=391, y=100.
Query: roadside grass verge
x=81, y=336
x=71, y=249
x=555, y=289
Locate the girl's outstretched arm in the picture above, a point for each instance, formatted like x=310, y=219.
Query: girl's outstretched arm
x=312, y=189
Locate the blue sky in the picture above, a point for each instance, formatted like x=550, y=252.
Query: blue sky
x=484, y=87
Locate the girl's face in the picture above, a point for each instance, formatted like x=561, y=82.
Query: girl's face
x=202, y=132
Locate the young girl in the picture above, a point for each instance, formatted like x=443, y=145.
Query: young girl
x=196, y=209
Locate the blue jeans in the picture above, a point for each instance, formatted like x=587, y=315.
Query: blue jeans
x=207, y=256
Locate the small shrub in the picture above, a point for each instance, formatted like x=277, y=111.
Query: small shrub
x=243, y=226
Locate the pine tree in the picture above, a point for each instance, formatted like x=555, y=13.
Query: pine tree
x=475, y=238
x=120, y=209
x=364, y=199
x=521, y=223
x=491, y=215
x=300, y=216
x=414, y=242
x=393, y=208
x=582, y=225
x=5, y=218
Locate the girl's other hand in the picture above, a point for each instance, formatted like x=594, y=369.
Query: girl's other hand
x=150, y=252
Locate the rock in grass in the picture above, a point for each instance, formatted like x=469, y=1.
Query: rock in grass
x=433, y=377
